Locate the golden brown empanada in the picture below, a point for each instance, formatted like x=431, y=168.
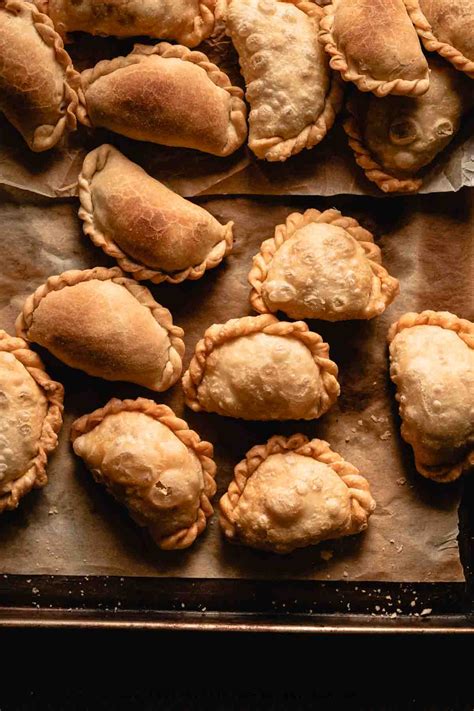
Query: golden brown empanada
x=151, y=231
x=447, y=27
x=165, y=94
x=321, y=265
x=290, y=493
x=106, y=325
x=151, y=462
x=259, y=368
x=188, y=22
x=395, y=137
x=294, y=97
x=31, y=407
x=373, y=43
x=432, y=365
x=37, y=81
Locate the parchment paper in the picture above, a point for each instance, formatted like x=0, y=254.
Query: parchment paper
x=73, y=527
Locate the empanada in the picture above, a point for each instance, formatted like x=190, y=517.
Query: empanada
x=151, y=231
x=106, y=325
x=165, y=94
x=188, y=22
x=31, y=407
x=432, y=365
x=290, y=493
x=321, y=265
x=293, y=95
x=373, y=43
x=259, y=368
x=447, y=27
x=150, y=461
x=37, y=81
x=395, y=137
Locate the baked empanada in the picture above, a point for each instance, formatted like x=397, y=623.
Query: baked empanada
x=106, y=325
x=321, y=265
x=151, y=231
x=373, y=43
x=259, y=368
x=447, y=27
x=37, y=81
x=291, y=493
x=150, y=461
x=432, y=365
x=293, y=95
x=165, y=94
x=188, y=22
x=31, y=407
x=395, y=137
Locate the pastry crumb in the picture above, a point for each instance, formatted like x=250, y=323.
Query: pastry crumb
x=402, y=481
x=386, y=435
x=53, y=510
x=327, y=555
x=426, y=611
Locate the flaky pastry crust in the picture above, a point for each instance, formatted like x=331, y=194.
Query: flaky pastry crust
x=35, y=477
x=433, y=460
x=152, y=218
x=141, y=490
x=285, y=515
x=383, y=288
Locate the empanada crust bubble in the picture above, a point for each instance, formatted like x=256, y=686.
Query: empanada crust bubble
x=293, y=95
x=432, y=365
x=165, y=94
x=150, y=461
x=38, y=84
x=447, y=27
x=259, y=368
x=109, y=326
x=291, y=493
x=321, y=265
x=31, y=407
x=188, y=22
x=374, y=44
x=152, y=232
x=394, y=138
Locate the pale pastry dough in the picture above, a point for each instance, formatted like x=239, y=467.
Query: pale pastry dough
x=321, y=265
x=293, y=95
x=447, y=27
x=151, y=231
x=394, y=138
x=290, y=493
x=188, y=22
x=373, y=43
x=106, y=325
x=432, y=365
x=37, y=80
x=31, y=407
x=151, y=462
x=259, y=368
x=165, y=94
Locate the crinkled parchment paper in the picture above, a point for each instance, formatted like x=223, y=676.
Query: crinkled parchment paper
x=73, y=527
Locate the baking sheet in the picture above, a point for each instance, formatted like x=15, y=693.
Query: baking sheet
x=72, y=527
x=328, y=169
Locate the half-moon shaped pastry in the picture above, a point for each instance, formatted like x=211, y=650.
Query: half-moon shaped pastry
x=447, y=27
x=37, y=81
x=165, y=94
x=31, y=407
x=395, y=137
x=374, y=44
x=290, y=493
x=321, y=265
x=106, y=325
x=151, y=231
x=293, y=95
x=432, y=365
x=259, y=368
x=150, y=461
x=189, y=22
